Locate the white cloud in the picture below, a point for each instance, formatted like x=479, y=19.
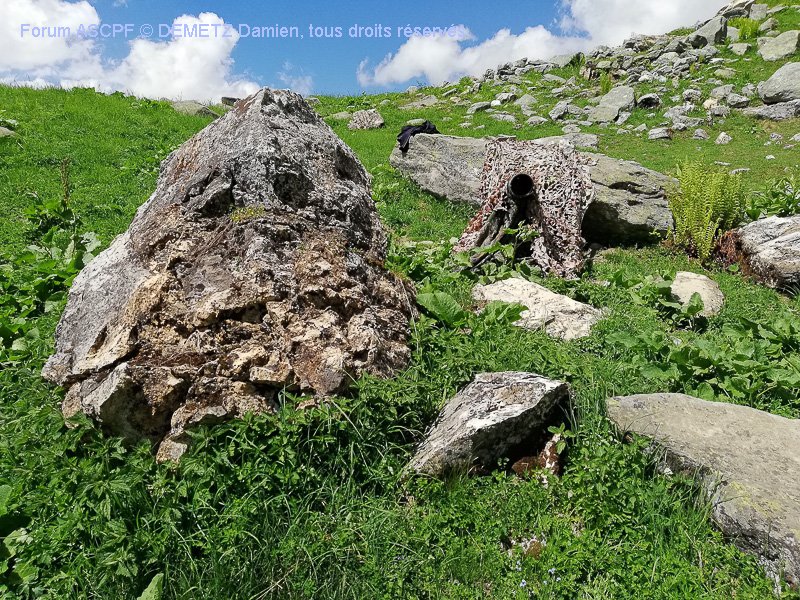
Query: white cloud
x=296, y=81
x=48, y=54
x=177, y=67
x=584, y=24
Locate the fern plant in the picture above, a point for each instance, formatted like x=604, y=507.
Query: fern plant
x=606, y=83
x=708, y=203
x=748, y=28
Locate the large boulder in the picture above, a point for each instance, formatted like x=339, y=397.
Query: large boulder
x=630, y=200
x=256, y=265
x=559, y=316
x=713, y=32
x=769, y=249
x=748, y=462
x=495, y=415
x=620, y=99
x=783, y=86
x=780, y=47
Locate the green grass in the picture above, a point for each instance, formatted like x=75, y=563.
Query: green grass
x=313, y=504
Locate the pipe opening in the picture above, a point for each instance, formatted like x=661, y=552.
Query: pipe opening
x=520, y=186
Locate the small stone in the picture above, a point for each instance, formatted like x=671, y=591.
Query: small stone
x=535, y=121
x=725, y=73
x=649, y=101
x=723, y=139
x=700, y=134
x=5, y=133
x=685, y=285
x=478, y=107
x=740, y=49
x=660, y=133
x=738, y=101
x=415, y=122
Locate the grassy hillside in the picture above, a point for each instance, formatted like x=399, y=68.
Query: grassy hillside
x=311, y=504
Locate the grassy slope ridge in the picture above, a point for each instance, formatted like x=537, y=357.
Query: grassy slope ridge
x=310, y=504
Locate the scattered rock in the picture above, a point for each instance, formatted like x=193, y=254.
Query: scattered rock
x=341, y=116
x=758, y=12
x=700, y=134
x=415, y=122
x=737, y=8
x=504, y=117
x=5, y=133
x=256, y=265
x=780, y=47
x=496, y=415
x=685, y=285
x=739, y=49
x=366, y=119
x=621, y=98
x=692, y=95
x=725, y=73
x=721, y=92
x=195, y=109
x=723, y=139
x=649, y=101
x=745, y=459
x=713, y=32
x=738, y=101
x=425, y=102
x=561, y=317
x=768, y=248
x=536, y=120
x=775, y=112
x=660, y=133
x=768, y=25
x=478, y=107
x=559, y=110
x=506, y=97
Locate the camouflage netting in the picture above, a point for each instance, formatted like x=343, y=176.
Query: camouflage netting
x=563, y=190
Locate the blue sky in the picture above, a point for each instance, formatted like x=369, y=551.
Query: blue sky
x=151, y=65
x=332, y=63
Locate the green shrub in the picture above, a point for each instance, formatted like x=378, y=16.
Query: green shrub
x=708, y=203
x=748, y=28
x=606, y=83
x=781, y=197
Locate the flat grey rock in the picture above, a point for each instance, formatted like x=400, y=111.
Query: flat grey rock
x=780, y=47
x=619, y=99
x=747, y=461
x=775, y=112
x=488, y=418
x=425, y=102
x=783, y=86
x=559, y=316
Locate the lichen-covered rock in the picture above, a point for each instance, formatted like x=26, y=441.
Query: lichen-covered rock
x=780, y=47
x=493, y=415
x=748, y=462
x=619, y=99
x=255, y=266
x=769, y=249
x=366, y=119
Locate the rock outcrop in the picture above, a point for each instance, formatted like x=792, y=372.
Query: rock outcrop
x=560, y=316
x=769, y=249
x=496, y=416
x=748, y=461
x=630, y=201
x=256, y=265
